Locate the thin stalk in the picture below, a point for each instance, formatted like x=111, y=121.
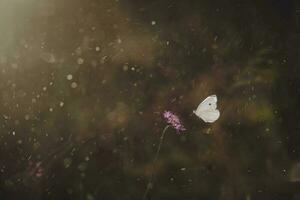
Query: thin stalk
x=150, y=184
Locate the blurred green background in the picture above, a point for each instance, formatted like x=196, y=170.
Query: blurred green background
x=84, y=84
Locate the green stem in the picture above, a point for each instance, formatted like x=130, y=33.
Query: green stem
x=149, y=184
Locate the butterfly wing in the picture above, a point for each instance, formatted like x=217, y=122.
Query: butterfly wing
x=207, y=109
x=208, y=103
x=210, y=116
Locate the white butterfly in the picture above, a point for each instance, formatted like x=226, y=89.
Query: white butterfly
x=207, y=109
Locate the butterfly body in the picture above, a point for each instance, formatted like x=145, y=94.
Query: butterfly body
x=207, y=109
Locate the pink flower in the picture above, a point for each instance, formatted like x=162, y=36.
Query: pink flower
x=174, y=121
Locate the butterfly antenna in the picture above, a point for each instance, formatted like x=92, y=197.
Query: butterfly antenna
x=192, y=113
